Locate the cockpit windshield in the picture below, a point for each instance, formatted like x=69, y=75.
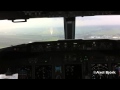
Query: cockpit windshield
x=34, y=30
x=52, y=29
x=98, y=27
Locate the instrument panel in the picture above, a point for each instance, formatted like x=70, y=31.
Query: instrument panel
x=24, y=72
x=43, y=72
x=99, y=67
x=73, y=71
x=73, y=45
x=88, y=59
x=116, y=67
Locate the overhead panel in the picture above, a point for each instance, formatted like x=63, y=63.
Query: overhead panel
x=42, y=14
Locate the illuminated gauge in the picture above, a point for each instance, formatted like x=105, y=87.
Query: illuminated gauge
x=98, y=71
x=57, y=46
x=58, y=69
x=43, y=72
x=73, y=71
x=74, y=45
x=25, y=72
x=94, y=45
x=48, y=47
x=116, y=68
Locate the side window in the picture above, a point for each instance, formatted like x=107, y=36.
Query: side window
x=98, y=27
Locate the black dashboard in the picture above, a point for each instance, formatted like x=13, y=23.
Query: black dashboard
x=67, y=59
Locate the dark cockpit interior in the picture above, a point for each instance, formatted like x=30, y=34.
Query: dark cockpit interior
x=60, y=44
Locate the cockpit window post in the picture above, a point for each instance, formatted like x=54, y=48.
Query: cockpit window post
x=69, y=25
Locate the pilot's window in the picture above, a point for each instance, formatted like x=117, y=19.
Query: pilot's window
x=98, y=27
x=34, y=30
